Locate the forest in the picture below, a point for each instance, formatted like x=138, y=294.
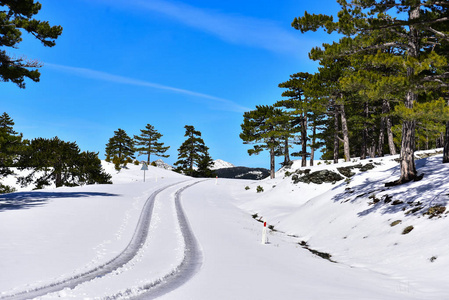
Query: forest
x=382, y=88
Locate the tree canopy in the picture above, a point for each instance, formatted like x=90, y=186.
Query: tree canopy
x=53, y=161
x=120, y=149
x=193, y=155
x=262, y=128
x=147, y=143
x=17, y=17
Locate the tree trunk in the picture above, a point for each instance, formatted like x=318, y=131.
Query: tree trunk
x=391, y=145
x=364, y=133
x=383, y=121
x=407, y=159
x=407, y=155
x=272, y=165
x=446, y=144
x=408, y=168
x=336, y=140
x=364, y=140
x=312, y=147
x=344, y=128
x=287, y=161
x=304, y=140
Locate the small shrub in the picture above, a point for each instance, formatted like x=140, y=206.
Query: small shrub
x=247, y=187
x=136, y=162
x=407, y=229
x=433, y=258
x=395, y=223
x=413, y=210
x=254, y=215
x=397, y=202
x=271, y=227
x=288, y=174
x=434, y=211
x=153, y=164
x=259, y=189
x=387, y=198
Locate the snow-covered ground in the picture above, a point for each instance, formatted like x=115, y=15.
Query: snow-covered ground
x=50, y=235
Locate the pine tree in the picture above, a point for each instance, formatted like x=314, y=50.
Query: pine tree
x=261, y=127
x=120, y=149
x=204, y=165
x=298, y=111
x=193, y=154
x=148, y=143
x=10, y=146
x=17, y=17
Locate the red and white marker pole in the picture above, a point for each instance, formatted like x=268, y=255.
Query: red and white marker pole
x=264, y=233
x=216, y=180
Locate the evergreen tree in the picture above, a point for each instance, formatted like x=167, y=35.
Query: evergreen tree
x=298, y=111
x=120, y=149
x=10, y=147
x=148, y=143
x=205, y=164
x=61, y=163
x=261, y=127
x=193, y=154
x=17, y=17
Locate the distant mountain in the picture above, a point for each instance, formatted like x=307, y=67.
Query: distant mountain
x=243, y=173
x=220, y=164
x=161, y=164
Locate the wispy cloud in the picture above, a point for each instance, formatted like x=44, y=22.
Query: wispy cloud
x=232, y=28
x=223, y=104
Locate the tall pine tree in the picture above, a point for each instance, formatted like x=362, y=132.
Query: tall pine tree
x=261, y=127
x=10, y=146
x=147, y=143
x=193, y=155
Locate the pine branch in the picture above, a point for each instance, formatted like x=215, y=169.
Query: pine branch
x=439, y=33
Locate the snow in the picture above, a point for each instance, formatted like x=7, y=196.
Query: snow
x=53, y=234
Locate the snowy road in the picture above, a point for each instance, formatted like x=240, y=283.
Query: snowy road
x=52, y=235
x=169, y=212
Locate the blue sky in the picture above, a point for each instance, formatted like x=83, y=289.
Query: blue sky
x=124, y=64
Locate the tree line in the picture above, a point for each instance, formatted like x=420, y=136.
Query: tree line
x=193, y=155
x=48, y=161
x=54, y=161
x=381, y=89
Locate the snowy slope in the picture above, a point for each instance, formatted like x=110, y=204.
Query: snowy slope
x=52, y=234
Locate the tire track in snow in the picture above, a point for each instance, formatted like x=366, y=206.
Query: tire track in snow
x=182, y=273
x=137, y=241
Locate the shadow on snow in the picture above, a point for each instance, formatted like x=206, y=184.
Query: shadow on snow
x=430, y=191
x=26, y=200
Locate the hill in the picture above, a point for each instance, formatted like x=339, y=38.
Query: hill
x=243, y=173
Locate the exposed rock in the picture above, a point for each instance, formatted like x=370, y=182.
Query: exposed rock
x=318, y=177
